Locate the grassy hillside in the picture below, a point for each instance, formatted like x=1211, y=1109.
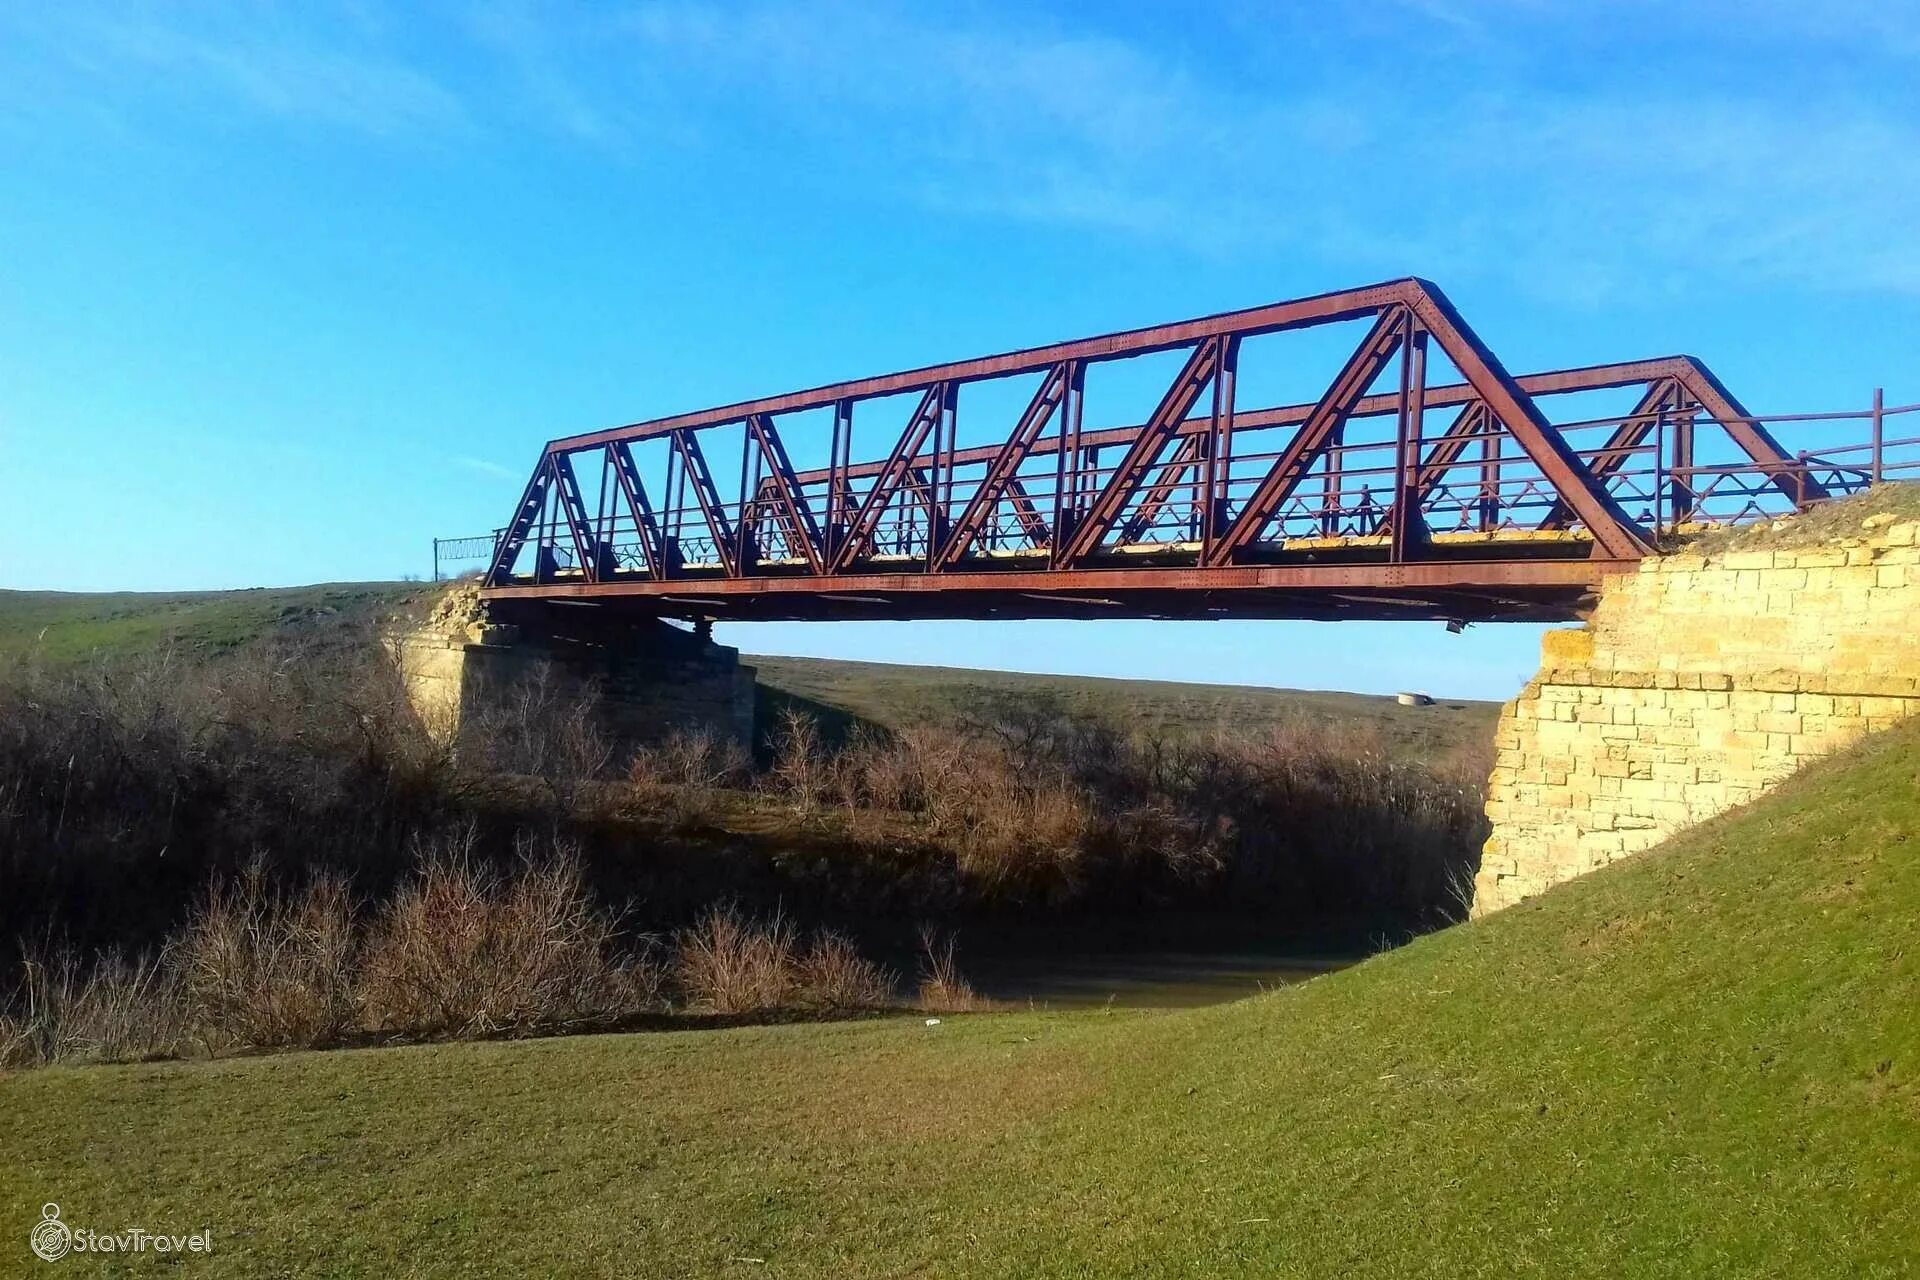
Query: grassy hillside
x=893, y=695
x=63, y=626
x=67, y=626
x=1699, y=1062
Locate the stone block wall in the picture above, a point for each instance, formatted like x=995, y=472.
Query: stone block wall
x=1698, y=683
x=646, y=678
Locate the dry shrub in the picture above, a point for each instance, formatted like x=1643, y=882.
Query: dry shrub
x=691, y=757
x=113, y=1010
x=265, y=969
x=729, y=963
x=942, y=988
x=125, y=786
x=800, y=762
x=678, y=778
x=1034, y=803
x=546, y=726
x=461, y=949
x=834, y=975
x=1012, y=836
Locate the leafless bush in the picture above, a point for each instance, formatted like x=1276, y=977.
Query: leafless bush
x=545, y=726
x=692, y=757
x=800, y=762
x=461, y=950
x=678, y=777
x=265, y=969
x=834, y=975
x=115, y=1009
x=731, y=964
x=942, y=988
x=125, y=786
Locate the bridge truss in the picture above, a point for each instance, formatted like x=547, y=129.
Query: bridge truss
x=1421, y=479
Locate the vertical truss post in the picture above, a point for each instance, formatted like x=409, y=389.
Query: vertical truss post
x=1409, y=527
x=1680, y=480
x=1331, y=481
x=838, y=456
x=676, y=498
x=940, y=472
x=1879, y=415
x=743, y=523
x=1066, y=484
x=1490, y=447
x=1219, y=447
x=1659, y=473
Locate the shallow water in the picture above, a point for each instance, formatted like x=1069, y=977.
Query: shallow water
x=1139, y=980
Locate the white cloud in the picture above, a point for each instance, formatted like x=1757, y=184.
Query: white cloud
x=1584, y=184
x=1505, y=138
x=487, y=468
x=275, y=68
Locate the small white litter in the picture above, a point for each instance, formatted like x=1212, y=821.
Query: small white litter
x=933, y=1022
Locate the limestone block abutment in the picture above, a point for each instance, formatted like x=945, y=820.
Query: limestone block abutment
x=644, y=678
x=1699, y=682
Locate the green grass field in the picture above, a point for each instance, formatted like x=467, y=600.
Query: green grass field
x=1698, y=1062
x=68, y=626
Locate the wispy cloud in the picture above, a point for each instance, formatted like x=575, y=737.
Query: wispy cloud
x=269, y=61
x=1588, y=182
x=1506, y=138
x=487, y=468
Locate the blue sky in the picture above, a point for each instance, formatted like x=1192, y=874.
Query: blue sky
x=287, y=290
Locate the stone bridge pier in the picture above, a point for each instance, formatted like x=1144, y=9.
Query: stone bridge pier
x=1698, y=683
x=645, y=677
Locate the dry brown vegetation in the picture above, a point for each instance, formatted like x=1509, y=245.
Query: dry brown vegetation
x=457, y=951
x=302, y=864
x=1036, y=806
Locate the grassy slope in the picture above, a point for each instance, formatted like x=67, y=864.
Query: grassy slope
x=895, y=695
x=66, y=626
x=1701, y=1062
x=62, y=626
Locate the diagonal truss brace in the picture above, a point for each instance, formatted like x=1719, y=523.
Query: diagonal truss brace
x=934, y=402
x=1179, y=400
x=1002, y=478
x=634, y=493
x=693, y=463
x=591, y=552
x=783, y=489
x=1315, y=434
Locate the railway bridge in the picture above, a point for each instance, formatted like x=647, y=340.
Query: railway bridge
x=1360, y=454
x=1357, y=454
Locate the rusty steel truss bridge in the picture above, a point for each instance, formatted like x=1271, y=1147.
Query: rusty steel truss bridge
x=1355, y=454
